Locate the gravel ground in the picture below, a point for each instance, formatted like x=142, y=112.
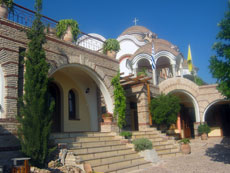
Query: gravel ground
x=211, y=156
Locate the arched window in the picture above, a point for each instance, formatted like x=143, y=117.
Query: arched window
x=73, y=105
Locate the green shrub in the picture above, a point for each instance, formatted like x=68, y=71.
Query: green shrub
x=184, y=141
x=164, y=109
x=63, y=25
x=8, y=3
x=119, y=101
x=126, y=134
x=203, y=128
x=142, y=144
x=111, y=44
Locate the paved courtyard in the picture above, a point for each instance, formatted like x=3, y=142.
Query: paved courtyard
x=211, y=156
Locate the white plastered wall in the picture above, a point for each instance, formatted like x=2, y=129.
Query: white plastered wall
x=91, y=81
x=126, y=47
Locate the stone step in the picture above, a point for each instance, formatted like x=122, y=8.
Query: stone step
x=83, y=139
x=115, y=159
x=144, y=132
x=157, y=139
x=81, y=150
x=162, y=142
x=93, y=144
x=94, y=138
x=112, y=158
x=128, y=168
x=95, y=155
x=164, y=146
x=144, y=136
x=78, y=134
x=115, y=164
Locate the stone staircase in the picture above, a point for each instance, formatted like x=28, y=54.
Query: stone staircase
x=105, y=152
x=165, y=146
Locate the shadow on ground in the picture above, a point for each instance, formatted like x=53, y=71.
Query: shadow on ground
x=220, y=152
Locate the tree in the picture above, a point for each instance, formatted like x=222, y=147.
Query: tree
x=164, y=109
x=220, y=63
x=35, y=107
x=119, y=101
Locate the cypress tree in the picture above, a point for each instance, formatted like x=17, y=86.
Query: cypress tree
x=36, y=110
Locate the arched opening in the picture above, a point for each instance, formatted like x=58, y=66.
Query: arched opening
x=83, y=94
x=187, y=115
x=73, y=104
x=55, y=95
x=217, y=116
x=163, y=69
x=144, y=66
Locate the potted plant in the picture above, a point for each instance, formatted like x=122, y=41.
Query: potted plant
x=5, y=5
x=107, y=117
x=203, y=130
x=184, y=146
x=143, y=72
x=110, y=47
x=126, y=134
x=67, y=30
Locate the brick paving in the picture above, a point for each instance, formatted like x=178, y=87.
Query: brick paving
x=211, y=156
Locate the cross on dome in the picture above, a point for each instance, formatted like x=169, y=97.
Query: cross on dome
x=135, y=21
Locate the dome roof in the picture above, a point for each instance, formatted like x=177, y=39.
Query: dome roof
x=140, y=32
x=159, y=45
x=135, y=29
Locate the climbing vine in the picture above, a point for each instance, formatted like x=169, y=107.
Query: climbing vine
x=119, y=101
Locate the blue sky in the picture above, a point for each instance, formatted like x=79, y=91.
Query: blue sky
x=181, y=22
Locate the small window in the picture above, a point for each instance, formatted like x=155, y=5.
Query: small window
x=73, y=105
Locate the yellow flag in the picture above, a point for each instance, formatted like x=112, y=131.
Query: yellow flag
x=189, y=59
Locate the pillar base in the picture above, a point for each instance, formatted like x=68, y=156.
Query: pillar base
x=143, y=126
x=109, y=127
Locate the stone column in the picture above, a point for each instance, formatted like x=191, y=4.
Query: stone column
x=135, y=71
x=181, y=72
x=196, y=125
x=174, y=70
x=154, y=77
x=143, y=111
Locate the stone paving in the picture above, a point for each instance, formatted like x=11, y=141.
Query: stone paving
x=211, y=156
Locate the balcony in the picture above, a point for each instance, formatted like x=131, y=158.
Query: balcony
x=25, y=17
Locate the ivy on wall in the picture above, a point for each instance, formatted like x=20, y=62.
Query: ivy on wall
x=119, y=101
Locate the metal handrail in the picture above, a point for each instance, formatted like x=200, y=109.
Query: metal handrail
x=25, y=16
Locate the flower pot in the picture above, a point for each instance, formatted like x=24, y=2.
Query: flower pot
x=111, y=53
x=185, y=148
x=68, y=35
x=107, y=119
x=204, y=136
x=3, y=11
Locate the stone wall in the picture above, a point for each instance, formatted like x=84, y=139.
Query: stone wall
x=59, y=54
x=203, y=95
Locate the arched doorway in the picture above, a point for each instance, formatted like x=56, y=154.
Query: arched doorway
x=55, y=95
x=187, y=114
x=217, y=117
x=88, y=89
